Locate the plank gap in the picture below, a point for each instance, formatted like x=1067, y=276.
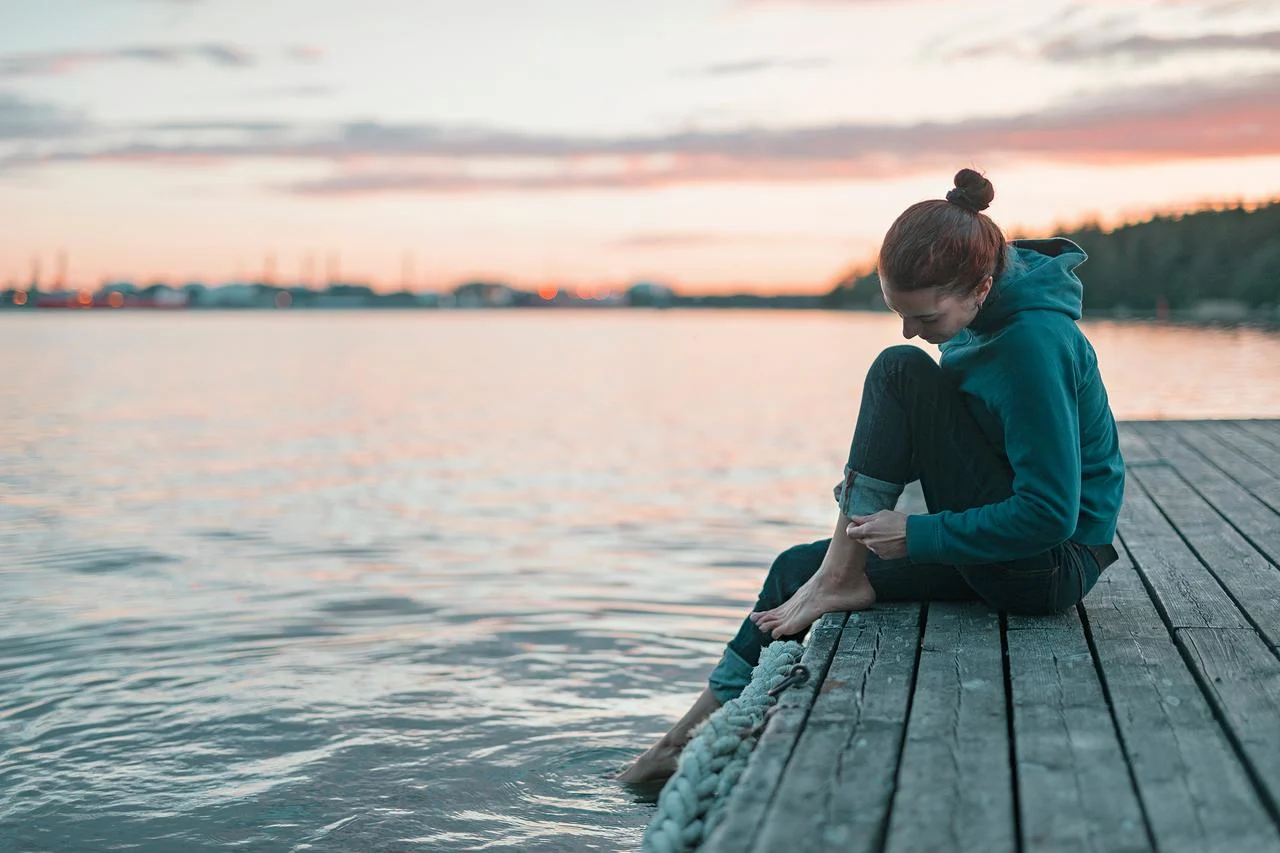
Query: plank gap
x=1115, y=723
x=1013, y=743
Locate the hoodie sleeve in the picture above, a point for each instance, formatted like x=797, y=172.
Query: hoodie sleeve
x=1035, y=398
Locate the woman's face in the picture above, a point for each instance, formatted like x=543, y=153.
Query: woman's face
x=931, y=314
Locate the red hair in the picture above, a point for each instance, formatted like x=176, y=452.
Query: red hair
x=948, y=244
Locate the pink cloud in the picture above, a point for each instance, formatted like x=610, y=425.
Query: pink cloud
x=1187, y=121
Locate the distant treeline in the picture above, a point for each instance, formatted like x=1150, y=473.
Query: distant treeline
x=1174, y=261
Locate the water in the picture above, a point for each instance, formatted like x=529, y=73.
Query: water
x=363, y=581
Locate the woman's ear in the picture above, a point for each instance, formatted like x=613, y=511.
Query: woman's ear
x=981, y=291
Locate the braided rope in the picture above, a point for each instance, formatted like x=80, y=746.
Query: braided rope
x=692, y=802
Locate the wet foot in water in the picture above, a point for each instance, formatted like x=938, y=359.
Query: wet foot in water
x=653, y=768
x=822, y=593
x=659, y=763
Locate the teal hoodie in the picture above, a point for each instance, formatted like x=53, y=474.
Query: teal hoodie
x=1031, y=380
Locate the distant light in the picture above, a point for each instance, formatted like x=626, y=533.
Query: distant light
x=85, y=298
x=548, y=292
x=284, y=299
x=20, y=297
x=115, y=299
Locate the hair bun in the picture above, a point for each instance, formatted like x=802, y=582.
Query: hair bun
x=972, y=191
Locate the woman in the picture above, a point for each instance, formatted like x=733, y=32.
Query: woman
x=1011, y=437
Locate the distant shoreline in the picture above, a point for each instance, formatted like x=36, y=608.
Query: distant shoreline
x=1262, y=320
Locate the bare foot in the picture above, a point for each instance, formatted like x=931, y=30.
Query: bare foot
x=822, y=593
x=659, y=763
x=655, y=767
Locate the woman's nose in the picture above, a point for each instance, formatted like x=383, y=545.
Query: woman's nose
x=909, y=329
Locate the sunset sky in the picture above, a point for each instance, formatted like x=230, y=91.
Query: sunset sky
x=712, y=144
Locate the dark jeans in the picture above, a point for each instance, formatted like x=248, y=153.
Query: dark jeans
x=915, y=425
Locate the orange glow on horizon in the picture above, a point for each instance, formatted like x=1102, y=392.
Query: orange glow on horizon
x=547, y=292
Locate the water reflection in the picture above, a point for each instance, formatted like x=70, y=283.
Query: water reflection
x=370, y=581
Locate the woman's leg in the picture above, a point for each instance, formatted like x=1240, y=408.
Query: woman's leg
x=789, y=572
x=920, y=425
x=915, y=423
x=659, y=762
x=795, y=567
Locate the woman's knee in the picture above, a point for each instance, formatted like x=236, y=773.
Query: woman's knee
x=901, y=359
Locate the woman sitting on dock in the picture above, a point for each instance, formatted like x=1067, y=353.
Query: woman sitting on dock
x=1011, y=438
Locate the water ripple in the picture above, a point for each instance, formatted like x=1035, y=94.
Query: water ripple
x=375, y=582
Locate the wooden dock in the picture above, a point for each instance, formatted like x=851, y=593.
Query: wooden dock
x=1146, y=719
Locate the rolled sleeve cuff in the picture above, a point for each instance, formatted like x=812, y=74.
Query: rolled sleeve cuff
x=859, y=494
x=730, y=677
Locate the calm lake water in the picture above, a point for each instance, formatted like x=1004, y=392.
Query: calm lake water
x=415, y=581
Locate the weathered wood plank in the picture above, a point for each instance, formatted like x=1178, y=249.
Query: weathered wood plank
x=1268, y=431
x=836, y=790
x=955, y=783
x=1074, y=789
x=1134, y=448
x=1257, y=480
x=759, y=782
x=1188, y=594
x=1196, y=794
x=1259, y=452
x=1241, y=509
x=840, y=768
x=1252, y=581
x=1242, y=677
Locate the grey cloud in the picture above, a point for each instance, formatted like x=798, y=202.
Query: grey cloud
x=757, y=65
x=60, y=62
x=1185, y=121
x=214, y=53
x=1082, y=47
x=248, y=126
x=1155, y=124
x=21, y=119
x=1218, y=7
x=300, y=91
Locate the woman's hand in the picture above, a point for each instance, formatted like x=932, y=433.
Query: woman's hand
x=884, y=534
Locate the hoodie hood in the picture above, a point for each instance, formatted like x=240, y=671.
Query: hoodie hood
x=1039, y=276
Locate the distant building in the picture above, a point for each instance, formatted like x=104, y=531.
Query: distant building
x=344, y=296
x=196, y=292
x=649, y=295
x=234, y=295
x=163, y=296
x=484, y=294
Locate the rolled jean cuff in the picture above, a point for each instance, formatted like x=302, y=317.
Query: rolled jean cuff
x=859, y=494
x=730, y=677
